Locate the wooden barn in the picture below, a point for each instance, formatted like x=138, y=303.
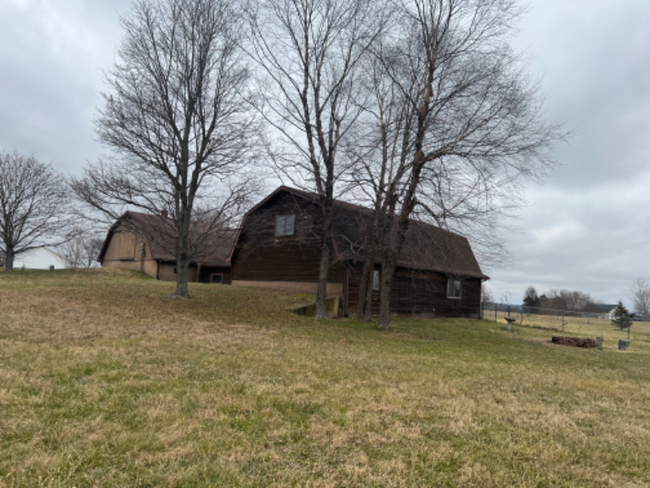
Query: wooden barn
x=145, y=242
x=278, y=247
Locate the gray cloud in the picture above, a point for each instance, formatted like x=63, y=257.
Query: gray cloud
x=587, y=228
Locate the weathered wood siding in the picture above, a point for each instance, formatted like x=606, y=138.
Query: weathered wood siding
x=126, y=250
x=262, y=256
x=419, y=293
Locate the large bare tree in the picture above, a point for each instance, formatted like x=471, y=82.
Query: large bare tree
x=461, y=123
x=177, y=122
x=33, y=205
x=309, y=54
x=641, y=297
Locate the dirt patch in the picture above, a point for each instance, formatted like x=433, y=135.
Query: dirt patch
x=574, y=341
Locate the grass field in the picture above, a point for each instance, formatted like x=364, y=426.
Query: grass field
x=105, y=381
x=579, y=326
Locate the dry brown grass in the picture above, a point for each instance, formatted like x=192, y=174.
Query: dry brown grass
x=105, y=381
x=581, y=326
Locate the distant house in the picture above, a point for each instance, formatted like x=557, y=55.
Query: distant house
x=144, y=242
x=278, y=247
x=38, y=258
x=605, y=311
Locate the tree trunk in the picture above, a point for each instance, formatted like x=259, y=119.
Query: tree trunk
x=181, y=276
x=321, y=294
x=368, y=298
x=388, y=266
x=9, y=259
x=182, y=262
x=387, y=274
x=365, y=287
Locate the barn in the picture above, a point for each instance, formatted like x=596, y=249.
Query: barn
x=278, y=247
x=146, y=242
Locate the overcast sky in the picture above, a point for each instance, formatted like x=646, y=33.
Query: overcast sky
x=586, y=228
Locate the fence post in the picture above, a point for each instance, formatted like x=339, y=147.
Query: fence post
x=629, y=324
x=495, y=312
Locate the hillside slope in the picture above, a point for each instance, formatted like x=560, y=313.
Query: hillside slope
x=106, y=381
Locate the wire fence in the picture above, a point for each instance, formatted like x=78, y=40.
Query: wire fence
x=566, y=321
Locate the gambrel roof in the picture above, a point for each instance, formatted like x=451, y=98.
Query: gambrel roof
x=160, y=233
x=427, y=247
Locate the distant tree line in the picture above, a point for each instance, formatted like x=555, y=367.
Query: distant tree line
x=577, y=301
x=568, y=300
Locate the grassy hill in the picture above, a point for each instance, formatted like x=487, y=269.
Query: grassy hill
x=105, y=381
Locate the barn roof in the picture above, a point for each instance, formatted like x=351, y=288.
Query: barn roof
x=426, y=247
x=160, y=234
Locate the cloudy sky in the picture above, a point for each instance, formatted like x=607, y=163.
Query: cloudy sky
x=586, y=228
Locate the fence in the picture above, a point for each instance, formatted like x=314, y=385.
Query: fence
x=580, y=323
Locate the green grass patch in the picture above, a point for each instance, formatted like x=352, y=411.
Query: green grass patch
x=106, y=381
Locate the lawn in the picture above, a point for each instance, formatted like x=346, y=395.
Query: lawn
x=105, y=381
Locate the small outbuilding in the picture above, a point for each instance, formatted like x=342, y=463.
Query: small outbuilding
x=146, y=242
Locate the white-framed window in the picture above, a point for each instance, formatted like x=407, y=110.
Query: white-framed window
x=453, y=288
x=375, y=279
x=284, y=225
x=216, y=279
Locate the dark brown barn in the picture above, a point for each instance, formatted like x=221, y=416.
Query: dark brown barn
x=142, y=242
x=278, y=247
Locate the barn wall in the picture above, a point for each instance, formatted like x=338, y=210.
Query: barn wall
x=122, y=246
x=128, y=265
x=421, y=294
x=263, y=259
x=309, y=288
x=207, y=272
x=151, y=268
x=166, y=272
x=124, y=251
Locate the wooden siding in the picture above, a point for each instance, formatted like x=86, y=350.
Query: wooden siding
x=260, y=255
x=126, y=250
x=418, y=293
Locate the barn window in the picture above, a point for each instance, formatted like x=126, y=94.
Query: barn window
x=217, y=279
x=375, y=279
x=284, y=225
x=453, y=288
x=175, y=271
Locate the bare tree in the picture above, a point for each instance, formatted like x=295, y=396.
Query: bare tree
x=309, y=53
x=486, y=294
x=176, y=119
x=82, y=249
x=641, y=297
x=569, y=300
x=33, y=205
x=468, y=125
x=531, y=298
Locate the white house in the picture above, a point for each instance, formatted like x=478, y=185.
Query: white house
x=39, y=258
